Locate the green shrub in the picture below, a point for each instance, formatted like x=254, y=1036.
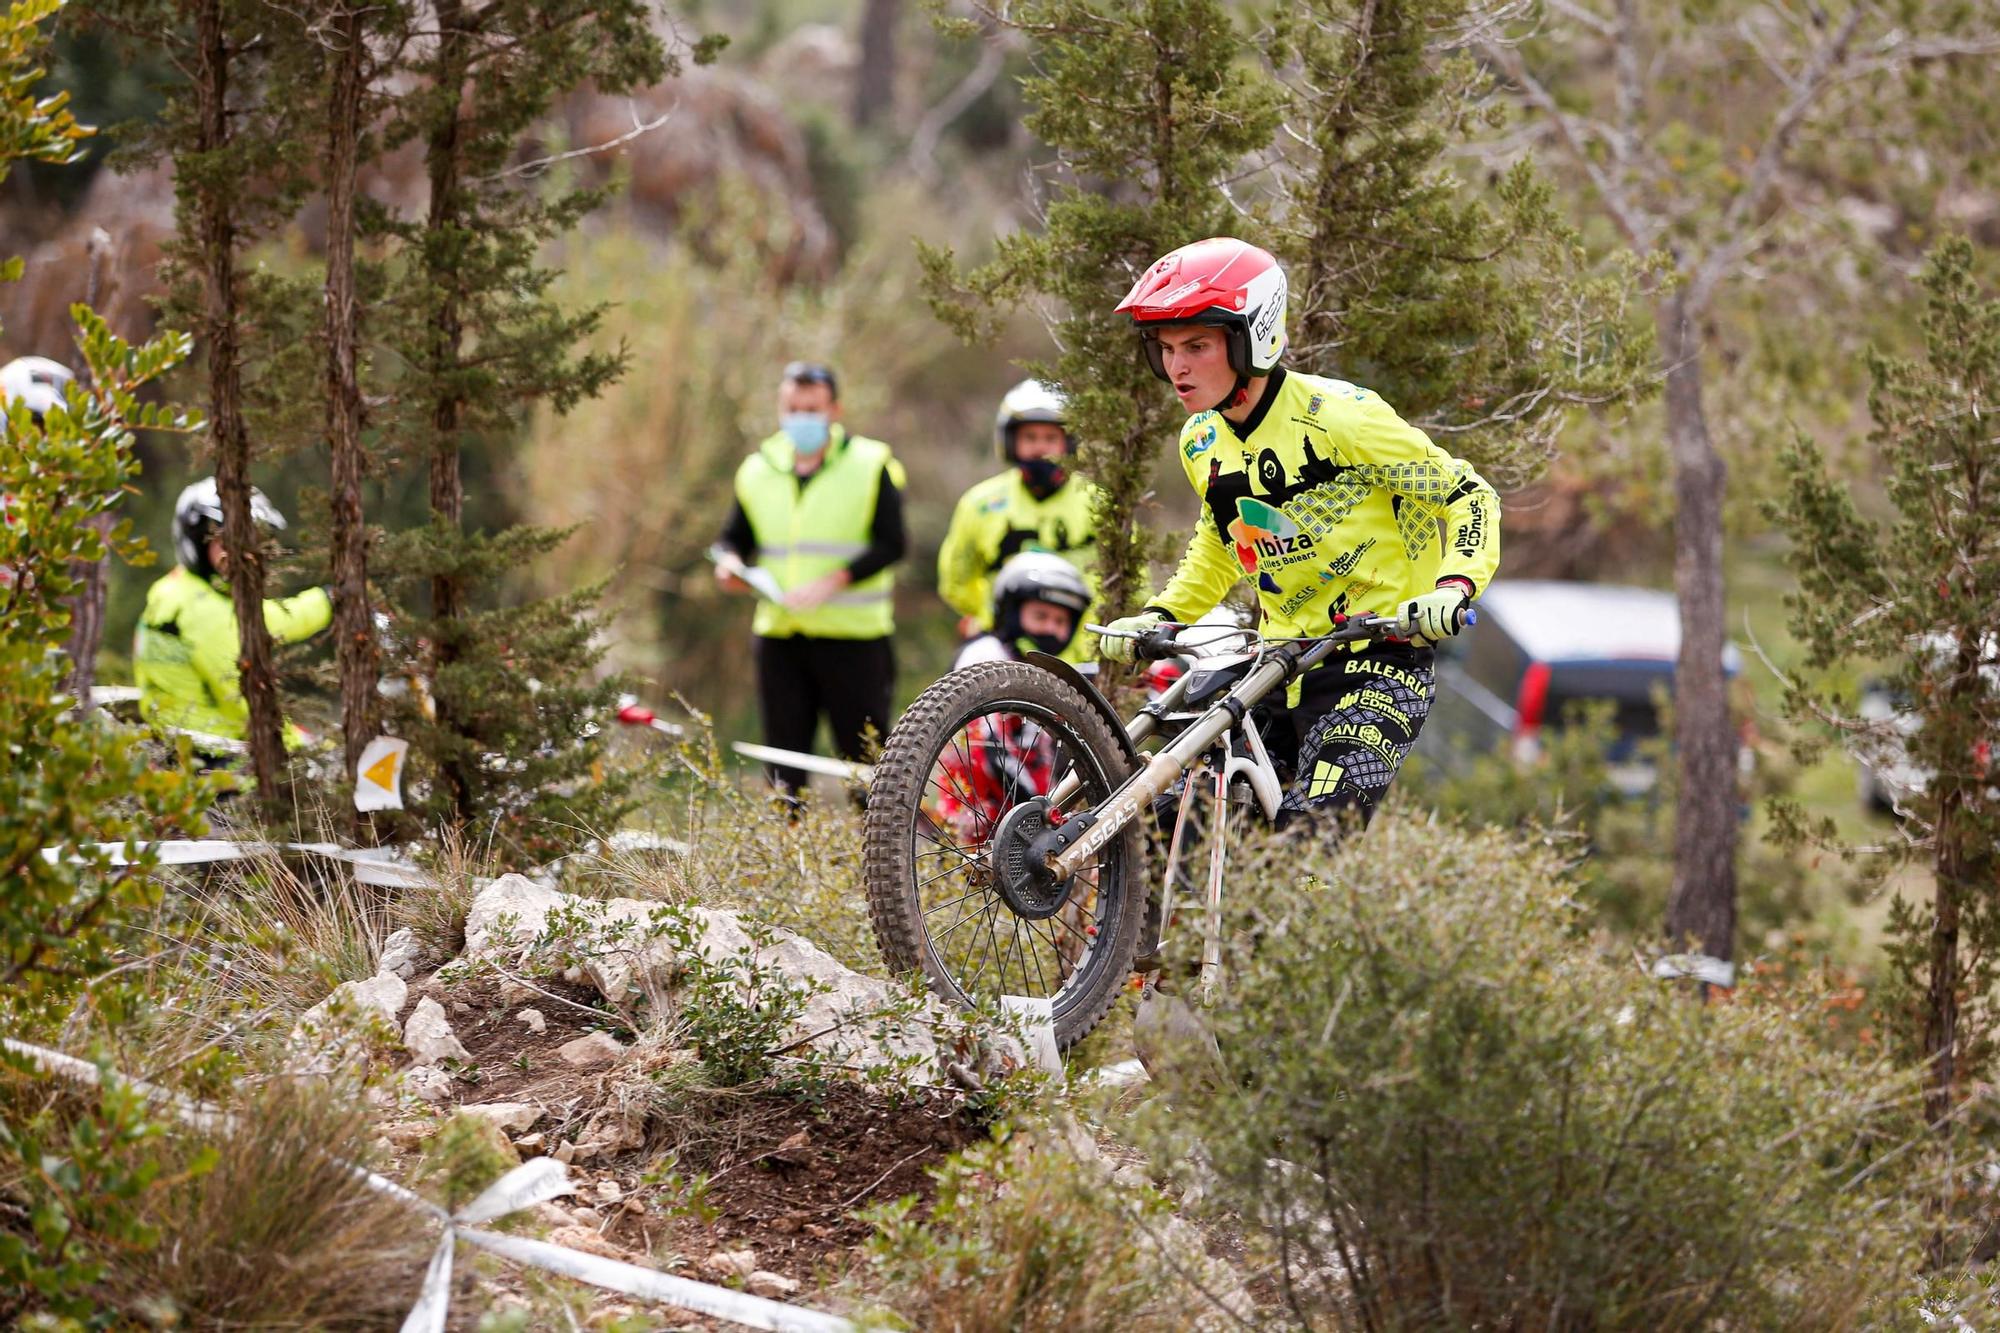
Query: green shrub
x=1449, y=1111
x=1027, y=1238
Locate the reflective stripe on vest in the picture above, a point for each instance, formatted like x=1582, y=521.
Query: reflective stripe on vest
x=806, y=531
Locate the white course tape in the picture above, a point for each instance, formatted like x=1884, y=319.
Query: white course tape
x=533, y=1182
x=1698, y=966
x=809, y=763
x=383, y=867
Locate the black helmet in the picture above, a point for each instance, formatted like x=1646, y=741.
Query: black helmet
x=1038, y=576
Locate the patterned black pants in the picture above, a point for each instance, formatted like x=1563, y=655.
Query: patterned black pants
x=1357, y=717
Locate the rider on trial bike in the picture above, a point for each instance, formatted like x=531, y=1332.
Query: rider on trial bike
x=1039, y=600
x=1316, y=491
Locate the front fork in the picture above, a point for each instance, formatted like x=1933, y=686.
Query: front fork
x=1219, y=766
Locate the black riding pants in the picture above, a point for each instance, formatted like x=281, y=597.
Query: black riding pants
x=1356, y=719
x=801, y=679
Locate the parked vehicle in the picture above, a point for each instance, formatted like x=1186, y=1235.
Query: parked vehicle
x=1542, y=645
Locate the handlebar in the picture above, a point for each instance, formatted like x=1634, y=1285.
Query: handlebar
x=1161, y=641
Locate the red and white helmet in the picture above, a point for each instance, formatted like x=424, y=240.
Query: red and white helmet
x=1232, y=284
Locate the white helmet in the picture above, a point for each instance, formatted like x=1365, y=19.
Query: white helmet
x=198, y=517
x=1030, y=400
x=1038, y=576
x=35, y=381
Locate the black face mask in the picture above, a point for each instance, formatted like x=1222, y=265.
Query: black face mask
x=1052, y=644
x=1044, y=476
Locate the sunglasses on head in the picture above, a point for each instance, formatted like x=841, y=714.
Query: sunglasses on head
x=812, y=372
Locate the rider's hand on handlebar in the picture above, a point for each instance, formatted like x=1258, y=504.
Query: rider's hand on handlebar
x=1115, y=648
x=1436, y=615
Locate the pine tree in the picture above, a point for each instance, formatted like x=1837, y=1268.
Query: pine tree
x=1149, y=108
x=1473, y=312
x=1922, y=591
x=234, y=141
x=483, y=344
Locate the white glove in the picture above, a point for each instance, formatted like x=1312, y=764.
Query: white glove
x=1434, y=616
x=1120, y=649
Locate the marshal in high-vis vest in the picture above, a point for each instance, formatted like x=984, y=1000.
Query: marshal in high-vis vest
x=821, y=511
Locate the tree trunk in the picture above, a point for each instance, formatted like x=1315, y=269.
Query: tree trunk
x=86, y=617
x=216, y=234
x=443, y=158
x=354, y=629
x=1701, y=911
x=875, y=75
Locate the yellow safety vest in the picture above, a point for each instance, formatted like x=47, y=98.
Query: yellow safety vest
x=808, y=527
x=997, y=520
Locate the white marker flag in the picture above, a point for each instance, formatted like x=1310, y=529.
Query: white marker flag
x=378, y=779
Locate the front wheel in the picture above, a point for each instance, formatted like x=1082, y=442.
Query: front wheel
x=961, y=779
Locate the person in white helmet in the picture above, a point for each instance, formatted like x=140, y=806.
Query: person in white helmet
x=1035, y=505
x=34, y=382
x=185, y=649
x=1039, y=600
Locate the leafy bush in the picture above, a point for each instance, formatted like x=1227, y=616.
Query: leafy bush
x=1448, y=1111
x=1027, y=1238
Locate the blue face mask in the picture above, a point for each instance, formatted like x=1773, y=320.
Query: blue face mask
x=809, y=431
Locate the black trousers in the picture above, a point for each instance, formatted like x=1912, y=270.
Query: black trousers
x=1357, y=717
x=799, y=679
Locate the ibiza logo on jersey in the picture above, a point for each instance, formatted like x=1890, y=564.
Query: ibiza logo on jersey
x=1264, y=532
x=1473, y=535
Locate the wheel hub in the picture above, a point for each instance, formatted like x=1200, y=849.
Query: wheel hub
x=1021, y=876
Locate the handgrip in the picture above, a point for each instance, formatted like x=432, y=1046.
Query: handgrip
x=1156, y=644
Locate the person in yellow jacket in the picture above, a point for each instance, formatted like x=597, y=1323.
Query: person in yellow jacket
x=1317, y=492
x=1035, y=505
x=820, y=511
x=185, y=649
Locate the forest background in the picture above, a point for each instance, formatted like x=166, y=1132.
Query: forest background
x=768, y=206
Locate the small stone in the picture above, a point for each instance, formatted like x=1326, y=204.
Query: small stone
x=381, y=996
x=608, y=1191
x=429, y=1083
x=593, y=1050
x=585, y=1239
x=731, y=1263
x=564, y=1153
x=408, y=1134
x=401, y=955
x=533, y=1018
x=818, y=1232
x=513, y=992
x=586, y=1216
x=428, y=1036
x=531, y=1143
x=635, y=1204
x=771, y=1286
x=514, y=1117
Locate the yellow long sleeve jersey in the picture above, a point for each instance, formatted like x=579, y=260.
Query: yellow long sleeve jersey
x=1330, y=504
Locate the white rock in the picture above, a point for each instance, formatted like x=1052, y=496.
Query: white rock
x=771, y=1286
x=586, y=1216
x=381, y=996
x=508, y=914
x=593, y=1050
x=609, y=1191
x=533, y=1018
x=731, y=1263
x=428, y=1036
x=846, y=1003
x=514, y=1117
x=429, y=1083
x=401, y=954
x=629, y=959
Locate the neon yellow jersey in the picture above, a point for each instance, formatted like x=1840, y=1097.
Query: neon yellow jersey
x=998, y=519
x=1329, y=503
x=185, y=647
